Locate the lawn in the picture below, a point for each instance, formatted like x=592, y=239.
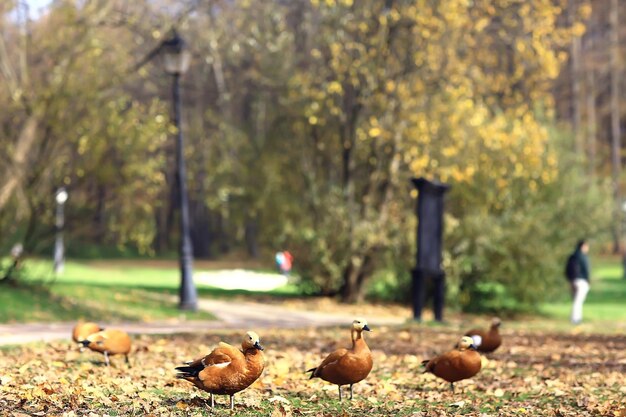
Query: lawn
x=130, y=290
x=533, y=373
x=117, y=291
x=606, y=301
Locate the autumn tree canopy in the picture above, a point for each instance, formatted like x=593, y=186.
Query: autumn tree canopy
x=305, y=121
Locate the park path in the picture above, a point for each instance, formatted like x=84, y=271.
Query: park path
x=231, y=315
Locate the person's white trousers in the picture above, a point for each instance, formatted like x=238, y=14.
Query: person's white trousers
x=580, y=288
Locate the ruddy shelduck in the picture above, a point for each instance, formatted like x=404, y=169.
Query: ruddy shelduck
x=109, y=342
x=82, y=330
x=226, y=370
x=487, y=340
x=347, y=366
x=460, y=363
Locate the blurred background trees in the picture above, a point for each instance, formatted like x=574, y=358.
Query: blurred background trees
x=305, y=120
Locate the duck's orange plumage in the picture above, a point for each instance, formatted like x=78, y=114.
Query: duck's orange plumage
x=460, y=363
x=226, y=370
x=347, y=366
x=84, y=329
x=487, y=340
x=109, y=342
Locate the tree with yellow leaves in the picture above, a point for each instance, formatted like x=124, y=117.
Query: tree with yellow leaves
x=451, y=90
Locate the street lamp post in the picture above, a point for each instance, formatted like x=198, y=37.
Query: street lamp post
x=176, y=62
x=59, y=256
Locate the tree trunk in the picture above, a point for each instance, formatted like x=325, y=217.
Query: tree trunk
x=13, y=174
x=200, y=230
x=592, y=145
x=349, y=290
x=223, y=232
x=251, y=237
x=355, y=275
x=615, y=127
x=576, y=48
x=100, y=215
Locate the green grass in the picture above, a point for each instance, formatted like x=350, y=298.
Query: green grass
x=135, y=291
x=111, y=292
x=606, y=300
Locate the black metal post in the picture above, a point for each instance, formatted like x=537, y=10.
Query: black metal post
x=418, y=293
x=188, y=294
x=429, y=247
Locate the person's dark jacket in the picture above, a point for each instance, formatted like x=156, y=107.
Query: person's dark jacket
x=581, y=265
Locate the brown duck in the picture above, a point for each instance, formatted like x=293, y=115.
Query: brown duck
x=84, y=329
x=460, y=363
x=109, y=342
x=487, y=340
x=227, y=370
x=347, y=366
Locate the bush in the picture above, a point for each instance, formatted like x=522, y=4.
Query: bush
x=505, y=253
x=512, y=258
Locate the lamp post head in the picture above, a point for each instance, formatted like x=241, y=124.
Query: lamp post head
x=61, y=195
x=175, y=55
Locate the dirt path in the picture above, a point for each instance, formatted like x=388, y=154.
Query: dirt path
x=236, y=315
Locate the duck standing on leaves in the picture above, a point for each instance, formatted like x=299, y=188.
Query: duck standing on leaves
x=226, y=370
x=347, y=366
x=487, y=340
x=109, y=342
x=82, y=330
x=460, y=363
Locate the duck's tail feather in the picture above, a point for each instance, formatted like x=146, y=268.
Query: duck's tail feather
x=188, y=371
x=312, y=371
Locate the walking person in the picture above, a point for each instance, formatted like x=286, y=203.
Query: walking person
x=577, y=272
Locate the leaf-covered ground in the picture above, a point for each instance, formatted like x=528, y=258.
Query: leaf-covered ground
x=558, y=374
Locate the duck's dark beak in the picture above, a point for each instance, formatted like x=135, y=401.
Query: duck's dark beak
x=472, y=346
x=367, y=328
x=85, y=343
x=258, y=345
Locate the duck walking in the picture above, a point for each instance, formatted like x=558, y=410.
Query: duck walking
x=487, y=341
x=109, y=342
x=460, y=363
x=347, y=366
x=226, y=370
x=82, y=330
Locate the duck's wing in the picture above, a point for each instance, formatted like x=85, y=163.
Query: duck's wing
x=471, y=362
x=457, y=365
x=222, y=356
x=223, y=353
x=329, y=362
x=443, y=361
x=225, y=364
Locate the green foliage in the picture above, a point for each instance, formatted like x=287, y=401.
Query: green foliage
x=490, y=297
x=304, y=122
x=513, y=258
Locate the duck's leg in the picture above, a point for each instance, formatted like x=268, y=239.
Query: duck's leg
x=351, y=391
x=339, y=386
x=212, y=401
x=452, y=386
x=232, y=401
x=106, y=358
x=127, y=361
